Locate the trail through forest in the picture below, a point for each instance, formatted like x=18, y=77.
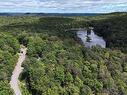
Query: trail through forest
x=18, y=69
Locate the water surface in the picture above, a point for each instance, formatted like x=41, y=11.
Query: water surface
x=91, y=39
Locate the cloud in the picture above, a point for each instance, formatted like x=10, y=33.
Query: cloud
x=62, y=5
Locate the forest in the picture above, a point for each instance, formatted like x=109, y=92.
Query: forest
x=113, y=29
x=57, y=62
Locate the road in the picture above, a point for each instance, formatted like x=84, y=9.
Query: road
x=17, y=71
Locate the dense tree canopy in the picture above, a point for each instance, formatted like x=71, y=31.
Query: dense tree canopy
x=9, y=47
x=72, y=69
x=57, y=63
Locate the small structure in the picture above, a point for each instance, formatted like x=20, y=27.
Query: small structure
x=91, y=28
x=75, y=29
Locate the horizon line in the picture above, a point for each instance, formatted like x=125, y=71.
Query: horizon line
x=64, y=12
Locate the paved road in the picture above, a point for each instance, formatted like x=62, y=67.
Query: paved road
x=18, y=69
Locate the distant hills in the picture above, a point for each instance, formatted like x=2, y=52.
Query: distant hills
x=49, y=14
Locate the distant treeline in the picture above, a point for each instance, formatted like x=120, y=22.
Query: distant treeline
x=49, y=14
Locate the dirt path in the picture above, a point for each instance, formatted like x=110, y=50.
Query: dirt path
x=18, y=69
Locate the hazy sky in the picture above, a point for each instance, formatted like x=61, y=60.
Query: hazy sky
x=63, y=6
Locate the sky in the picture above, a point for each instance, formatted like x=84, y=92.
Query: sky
x=63, y=6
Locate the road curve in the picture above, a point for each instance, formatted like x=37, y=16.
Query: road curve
x=18, y=69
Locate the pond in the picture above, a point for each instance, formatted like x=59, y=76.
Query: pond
x=90, y=39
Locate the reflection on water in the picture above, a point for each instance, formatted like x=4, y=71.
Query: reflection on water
x=90, y=39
